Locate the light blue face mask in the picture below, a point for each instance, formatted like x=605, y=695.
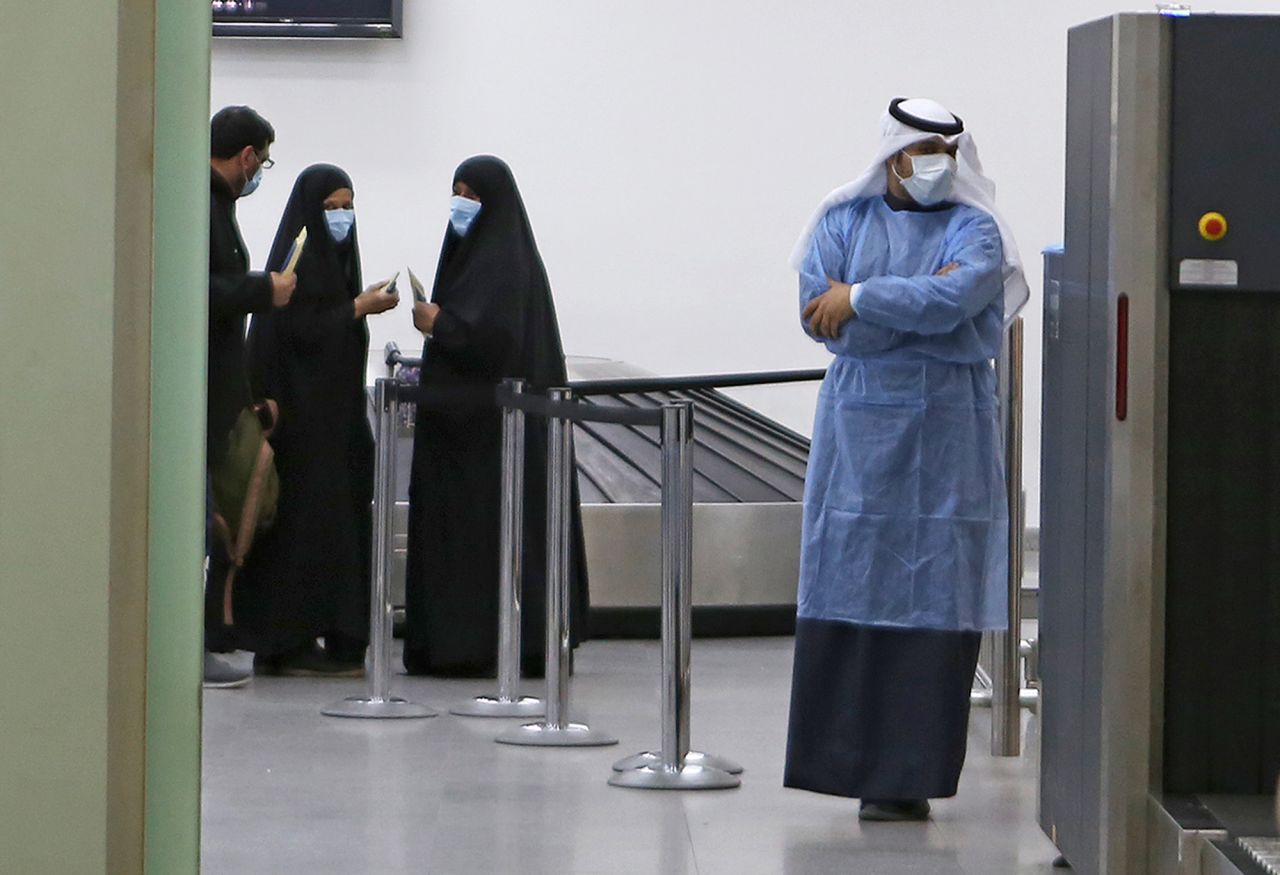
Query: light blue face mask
x=462, y=212
x=932, y=178
x=252, y=185
x=340, y=222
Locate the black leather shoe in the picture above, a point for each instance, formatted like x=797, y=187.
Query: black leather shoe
x=306, y=662
x=893, y=810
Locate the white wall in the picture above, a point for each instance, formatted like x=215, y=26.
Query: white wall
x=668, y=151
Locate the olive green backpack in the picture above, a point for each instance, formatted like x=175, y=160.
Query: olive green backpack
x=246, y=488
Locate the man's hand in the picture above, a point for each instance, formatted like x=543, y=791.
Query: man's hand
x=827, y=312
x=282, y=286
x=375, y=299
x=947, y=268
x=424, y=317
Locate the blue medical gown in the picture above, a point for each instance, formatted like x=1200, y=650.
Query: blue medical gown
x=905, y=512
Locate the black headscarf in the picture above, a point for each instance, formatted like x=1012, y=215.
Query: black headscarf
x=337, y=263
x=497, y=317
x=328, y=272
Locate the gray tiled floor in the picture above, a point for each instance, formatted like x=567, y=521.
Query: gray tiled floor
x=288, y=791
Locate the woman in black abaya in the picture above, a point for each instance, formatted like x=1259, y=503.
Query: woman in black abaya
x=491, y=316
x=308, y=576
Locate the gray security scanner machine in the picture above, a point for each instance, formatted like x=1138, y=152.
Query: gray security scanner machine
x=1160, y=536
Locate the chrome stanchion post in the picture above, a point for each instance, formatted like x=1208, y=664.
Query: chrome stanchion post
x=674, y=767
x=556, y=730
x=1006, y=680
x=380, y=703
x=508, y=702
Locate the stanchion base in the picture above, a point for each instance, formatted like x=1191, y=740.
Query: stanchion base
x=378, y=709
x=688, y=777
x=693, y=758
x=545, y=735
x=492, y=706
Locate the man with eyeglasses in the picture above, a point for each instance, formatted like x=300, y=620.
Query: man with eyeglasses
x=240, y=151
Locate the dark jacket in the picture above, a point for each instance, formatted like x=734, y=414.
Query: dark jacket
x=234, y=292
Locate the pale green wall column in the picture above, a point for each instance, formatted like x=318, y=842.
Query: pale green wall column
x=101, y=434
x=178, y=363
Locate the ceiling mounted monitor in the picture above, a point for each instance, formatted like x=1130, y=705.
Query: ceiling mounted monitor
x=307, y=19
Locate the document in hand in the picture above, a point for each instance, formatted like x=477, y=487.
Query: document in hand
x=390, y=287
x=419, y=293
x=295, y=252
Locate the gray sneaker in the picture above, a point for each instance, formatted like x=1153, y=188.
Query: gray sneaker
x=223, y=672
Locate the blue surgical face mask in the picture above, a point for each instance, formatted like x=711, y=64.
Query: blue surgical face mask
x=252, y=185
x=462, y=212
x=932, y=178
x=340, y=222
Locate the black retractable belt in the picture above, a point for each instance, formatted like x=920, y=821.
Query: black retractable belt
x=636, y=385
x=575, y=411
x=485, y=396
x=472, y=397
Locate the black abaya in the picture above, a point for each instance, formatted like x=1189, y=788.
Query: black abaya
x=496, y=320
x=308, y=576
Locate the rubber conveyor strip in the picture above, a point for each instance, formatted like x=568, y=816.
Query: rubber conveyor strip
x=1266, y=851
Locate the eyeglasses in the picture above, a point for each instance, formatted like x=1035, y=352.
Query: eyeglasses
x=267, y=163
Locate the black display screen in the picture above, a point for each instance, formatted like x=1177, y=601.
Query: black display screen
x=307, y=18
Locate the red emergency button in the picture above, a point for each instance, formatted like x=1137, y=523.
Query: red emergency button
x=1213, y=226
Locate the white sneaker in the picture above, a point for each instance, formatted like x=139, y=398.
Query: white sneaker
x=223, y=672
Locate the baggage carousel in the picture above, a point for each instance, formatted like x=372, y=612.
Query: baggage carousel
x=748, y=486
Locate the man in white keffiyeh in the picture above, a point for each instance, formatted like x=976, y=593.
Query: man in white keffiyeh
x=906, y=275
